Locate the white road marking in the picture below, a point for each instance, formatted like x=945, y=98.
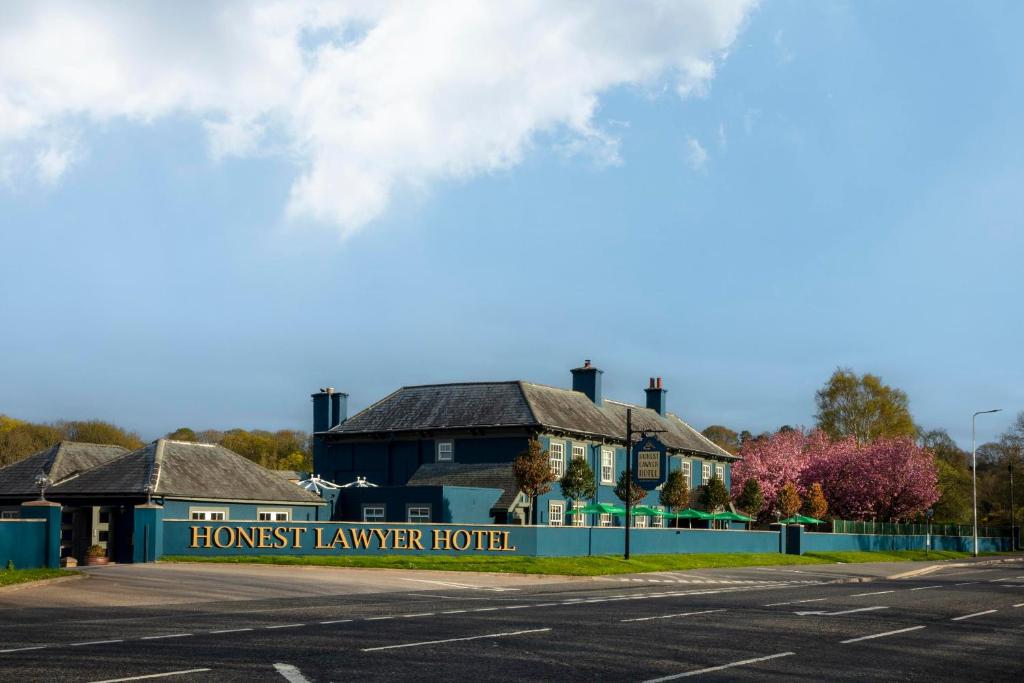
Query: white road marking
x=845, y=611
x=965, y=583
x=284, y=626
x=169, y=635
x=486, y=609
x=976, y=614
x=881, y=635
x=924, y=588
x=336, y=621
x=290, y=673
x=686, y=674
x=455, y=611
x=378, y=618
x=421, y=614
x=795, y=602
x=1019, y=604
x=455, y=640
x=861, y=595
x=671, y=616
x=997, y=580
x=23, y=649
x=468, y=586
x=96, y=642
x=163, y=675
x=546, y=604
x=231, y=630
x=519, y=606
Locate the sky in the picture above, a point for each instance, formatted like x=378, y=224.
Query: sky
x=209, y=211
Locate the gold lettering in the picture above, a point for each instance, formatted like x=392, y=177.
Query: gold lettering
x=442, y=539
x=339, y=539
x=218, y=543
x=264, y=539
x=319, y=538
x=504, y=545
x=297, y=531
x=200, y=534
x=246, y=537
x=361, y=537
x=478, y=538
x=280, y=534
x=493, y=540
x=383, y=536
x=401, y=539
x=415, y=538
x=465, y=536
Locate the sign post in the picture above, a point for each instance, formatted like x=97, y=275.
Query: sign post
x=649, y=459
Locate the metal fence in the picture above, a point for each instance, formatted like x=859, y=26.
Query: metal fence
x=841, y=526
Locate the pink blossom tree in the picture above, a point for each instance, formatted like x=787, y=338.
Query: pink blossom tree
x=772, y=462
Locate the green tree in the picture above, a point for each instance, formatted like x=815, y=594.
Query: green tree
x=862, y=407
x=533, y=473
x=675, y=494
x=578, y=482
x=630, y=495
x=723, y=437
x=19, y=439
x=816, y=506
x=953, y=467
x=97, y=431
x=713, y=494
x=751, y=499
x=789, y=500
x=182, y=434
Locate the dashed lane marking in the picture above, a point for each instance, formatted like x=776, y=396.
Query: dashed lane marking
x=795, y=602
x=673, y=616
x=730, y=665
x=970, y=616
x=861, y=595
x=455, y=640
x=1019, y=604
x=965, y=583
x=380, y=618
x=166, y=674
x=881, y=635
x=96, y=642
x=284, y=626
x=230, y=630
x=924, y=588
x=169, y=635
x=336, y=621
x=290, y=673
x=23, y=649
x=845, y=611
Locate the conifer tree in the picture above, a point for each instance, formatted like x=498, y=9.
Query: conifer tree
x=675, y=494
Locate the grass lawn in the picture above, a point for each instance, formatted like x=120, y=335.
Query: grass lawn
x=9, y=577
x=891, y=556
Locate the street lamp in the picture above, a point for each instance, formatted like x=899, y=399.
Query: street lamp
x=974, y=472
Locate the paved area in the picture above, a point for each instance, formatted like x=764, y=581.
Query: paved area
x=959, y=621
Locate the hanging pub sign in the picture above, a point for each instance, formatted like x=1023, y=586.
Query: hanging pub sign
x=650, y=463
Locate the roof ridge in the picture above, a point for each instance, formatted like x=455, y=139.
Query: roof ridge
x=461, y=384
x=526, y=400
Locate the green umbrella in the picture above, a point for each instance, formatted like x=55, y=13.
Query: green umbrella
x=800, y=519
x=732, y=516
x=690, y=513
x=644, y=511
x=598, y=509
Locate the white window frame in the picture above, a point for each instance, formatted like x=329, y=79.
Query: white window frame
x=375, y=517
x=557, y=461
x=445, y=450
x=607, y=466
x=605, y=519
x=9, y=514
x=720, y=471
x=208, y=514
x=423, y=514
x=639, y=521
x=577, y=518
x=705, y=473
x=579, y=451
x=274, y=514
x=657, y=522
x=556, y=513
x=687, y=470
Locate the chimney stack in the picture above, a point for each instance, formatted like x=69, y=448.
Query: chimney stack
x=330, y=408
x=656, y=395
x=587, y=379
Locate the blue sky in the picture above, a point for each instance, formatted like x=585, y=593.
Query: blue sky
x=844, y=190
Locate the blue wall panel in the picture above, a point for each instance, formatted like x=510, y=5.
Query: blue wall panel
x=23, y=542
x=824, y=542
x=179, y=509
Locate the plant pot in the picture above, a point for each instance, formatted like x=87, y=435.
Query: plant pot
x=96, y=561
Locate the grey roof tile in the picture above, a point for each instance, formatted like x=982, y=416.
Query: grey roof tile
x=488, y=476
x=58, y=462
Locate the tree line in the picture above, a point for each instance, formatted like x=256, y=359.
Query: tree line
x=284, y=449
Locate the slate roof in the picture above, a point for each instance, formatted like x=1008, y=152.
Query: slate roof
x=58, y=462
x=516, y=404
x=487, y=475
x=184, y=469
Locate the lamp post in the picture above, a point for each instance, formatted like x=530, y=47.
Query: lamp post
x=1013, y=536
x=42, y=481
x=974, y=472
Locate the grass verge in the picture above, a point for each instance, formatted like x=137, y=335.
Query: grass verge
x=9, y=577
x=575, y=566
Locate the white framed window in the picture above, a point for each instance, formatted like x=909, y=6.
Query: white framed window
x=606, y=519
x=9, y=514
x=720, y=472
x=705, y=472
x=577, y=519
x=418, y=513
x=208, y=515
x=607, y=466
x=556, y=513
x=640, y=521
x=684, y=467
x=556, y=453
x=579, y=451
x=274, y=515
x=373, y=513
x=445, y=451
x=658, y=522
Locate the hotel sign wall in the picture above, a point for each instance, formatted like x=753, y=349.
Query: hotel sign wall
x=650, y=466
x=302, y=539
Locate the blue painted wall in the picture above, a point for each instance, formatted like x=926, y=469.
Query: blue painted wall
x=824, y=542
x=448, y=504
x=179, y=509
x=23, y=542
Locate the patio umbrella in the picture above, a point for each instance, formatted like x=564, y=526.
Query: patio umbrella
x=598, y=509
x=800, y=519
x=732, y=516
x=690, y=513
x=644, y=511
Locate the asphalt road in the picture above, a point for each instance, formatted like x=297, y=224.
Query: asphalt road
x=955, y=623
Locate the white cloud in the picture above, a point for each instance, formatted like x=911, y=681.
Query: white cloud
x=370, y=101
x=696, y=155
